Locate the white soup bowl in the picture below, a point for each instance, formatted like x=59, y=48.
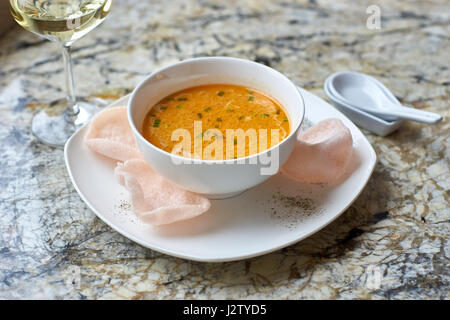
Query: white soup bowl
x=215, y=179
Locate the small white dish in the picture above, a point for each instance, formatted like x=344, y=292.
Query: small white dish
x=238, y=228
x=362, y=118
x=216, y=180
x=370, y=95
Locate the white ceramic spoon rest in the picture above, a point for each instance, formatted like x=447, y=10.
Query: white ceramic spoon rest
x=366, y=93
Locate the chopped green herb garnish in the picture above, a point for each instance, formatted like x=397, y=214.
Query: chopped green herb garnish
x=235, y=141
x=250, y=92
x=219, y=119
x=251, y=98
x=241, y=117
x=166, y=126
x=156, y=123
x=265, y=115
x=170, y=99
x=220, y=93
x=163, y=108
x=208, y=109
x=230, y=110
x=199, y=115
x=182, y=99
x=179, y=106
x=153, y=115
x=285, y=119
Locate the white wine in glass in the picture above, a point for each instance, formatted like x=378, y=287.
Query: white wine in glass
x=62, y=21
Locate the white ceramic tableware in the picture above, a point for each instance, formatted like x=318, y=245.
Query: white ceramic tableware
x=368, y=94
x=364, y=119
x=256, y=222
x=208, y=177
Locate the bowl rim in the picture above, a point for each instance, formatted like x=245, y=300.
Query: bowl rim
x=201, y=161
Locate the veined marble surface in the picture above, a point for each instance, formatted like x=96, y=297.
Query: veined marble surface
x=53, y=246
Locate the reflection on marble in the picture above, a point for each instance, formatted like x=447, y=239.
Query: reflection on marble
x=397, y=232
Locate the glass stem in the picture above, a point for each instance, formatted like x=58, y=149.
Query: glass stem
x=72, y=108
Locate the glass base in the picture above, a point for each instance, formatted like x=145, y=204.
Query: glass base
x=55, y=130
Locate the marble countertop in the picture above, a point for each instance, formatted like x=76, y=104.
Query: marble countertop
x=392, y=243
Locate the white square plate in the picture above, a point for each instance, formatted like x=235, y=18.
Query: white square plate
x=273, y=215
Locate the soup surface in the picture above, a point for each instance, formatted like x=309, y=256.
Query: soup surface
x=209, y=117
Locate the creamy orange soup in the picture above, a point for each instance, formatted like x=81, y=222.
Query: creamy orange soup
x=206, y=112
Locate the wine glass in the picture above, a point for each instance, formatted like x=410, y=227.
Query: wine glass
x=64, y=22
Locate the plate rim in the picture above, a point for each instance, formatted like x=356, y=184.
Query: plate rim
x=193, y=257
